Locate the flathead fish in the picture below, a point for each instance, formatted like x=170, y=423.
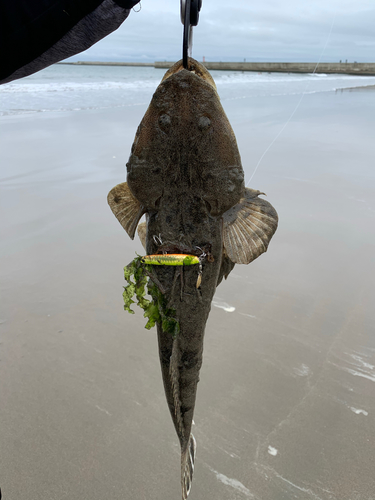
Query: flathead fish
x=185, y=174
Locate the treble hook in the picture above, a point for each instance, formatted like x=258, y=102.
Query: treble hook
x=157, y=240
x=189, y=18
x=201, y=258
x=203, y=255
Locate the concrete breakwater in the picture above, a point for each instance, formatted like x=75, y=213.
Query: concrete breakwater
x=275, y=67
x=260, y=67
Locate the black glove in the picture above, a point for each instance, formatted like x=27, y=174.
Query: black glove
x=37, y=33
x=127, y=4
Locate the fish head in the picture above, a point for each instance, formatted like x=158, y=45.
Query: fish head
x=185, y=146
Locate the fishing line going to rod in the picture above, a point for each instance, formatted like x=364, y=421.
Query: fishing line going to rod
x=297, y=106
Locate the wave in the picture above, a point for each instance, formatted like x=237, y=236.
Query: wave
x=137, y=85
x=277, y=78
x=28, y=97
x=20, y=111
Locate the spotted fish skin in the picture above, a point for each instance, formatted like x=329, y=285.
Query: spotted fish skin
x=185, y=174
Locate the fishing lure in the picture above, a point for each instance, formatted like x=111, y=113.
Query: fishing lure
x=171, y=259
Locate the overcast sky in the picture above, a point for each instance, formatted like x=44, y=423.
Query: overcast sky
x=262, y=30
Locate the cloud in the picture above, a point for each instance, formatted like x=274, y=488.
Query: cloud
x=270, y=31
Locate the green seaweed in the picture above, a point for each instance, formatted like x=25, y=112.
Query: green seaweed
x=155, y=310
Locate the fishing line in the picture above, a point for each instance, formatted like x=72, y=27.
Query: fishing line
x=298, y=104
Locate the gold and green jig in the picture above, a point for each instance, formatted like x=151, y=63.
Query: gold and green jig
x=171, y=259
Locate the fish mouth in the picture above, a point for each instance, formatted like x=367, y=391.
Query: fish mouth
x=194, y=67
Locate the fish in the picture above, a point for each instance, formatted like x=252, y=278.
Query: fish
x=185, y=175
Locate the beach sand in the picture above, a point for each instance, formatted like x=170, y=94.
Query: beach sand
x=285, y=406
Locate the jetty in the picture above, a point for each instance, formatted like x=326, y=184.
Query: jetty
x=287, y=67
x=348, y=68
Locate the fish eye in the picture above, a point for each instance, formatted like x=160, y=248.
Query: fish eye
x=165, y=122
x=204, y=123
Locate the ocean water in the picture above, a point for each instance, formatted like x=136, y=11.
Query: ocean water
x=76, y=88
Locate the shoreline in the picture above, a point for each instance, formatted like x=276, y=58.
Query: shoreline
x=358, y=88
x=361, y=69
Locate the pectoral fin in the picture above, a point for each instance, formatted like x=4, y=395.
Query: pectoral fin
x=249, y=227
x=126, y=208
x=142, y=230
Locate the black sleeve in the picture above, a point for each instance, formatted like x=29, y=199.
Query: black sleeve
x=37, y=33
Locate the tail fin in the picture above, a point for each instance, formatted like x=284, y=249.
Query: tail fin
x=187, y=466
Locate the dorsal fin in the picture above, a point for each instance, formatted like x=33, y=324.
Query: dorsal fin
x=126, y=207
x=249, y=227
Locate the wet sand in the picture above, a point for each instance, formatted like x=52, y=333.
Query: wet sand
x=286, y=406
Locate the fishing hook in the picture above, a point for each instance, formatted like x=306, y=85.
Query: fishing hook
x=189, y=18
x=201, y=258
x=203, y=255
x=157, y=240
